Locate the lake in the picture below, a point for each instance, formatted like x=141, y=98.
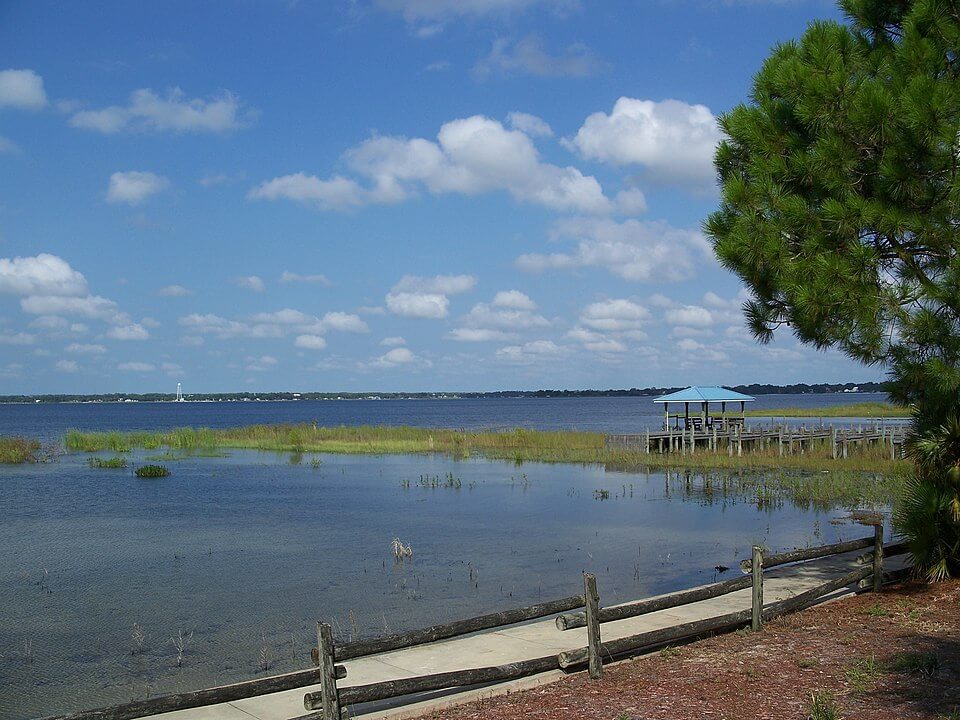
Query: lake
x=242, y=554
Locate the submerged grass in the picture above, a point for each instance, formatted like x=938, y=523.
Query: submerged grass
x=853, y=410
x=18, y=450
x=113, y=463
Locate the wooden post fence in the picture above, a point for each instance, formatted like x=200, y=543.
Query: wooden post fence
x=877, y=557
x=593, y=625
x=756, y=563
x=328, y=677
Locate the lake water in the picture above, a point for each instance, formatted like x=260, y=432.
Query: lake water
x=244, y=553
x=615, y=414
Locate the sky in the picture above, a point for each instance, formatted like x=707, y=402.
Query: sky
x=393, y=195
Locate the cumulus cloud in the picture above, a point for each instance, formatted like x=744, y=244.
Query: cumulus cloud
x=67, y=366
x=175, y=291
x=471, y=156
x=396, y=357
x=442, y=284
x=529, y=124
x=528, y=56
x=672, y=140
x=133, y=187
x=419, y=305
x=310, y=342
x=483, y=315
x=394, y=341
x=277, y=324
x=133, y=331
x=22, y=89
x=43, y=274
x=513, y=299
x=142, y=367
x=251, y=282
x=690, y=316
x=291, y=277
x=634, y=250
x=530, y=352
x=614, y=315
x=147, y=111
x=90, y=306
x=85, y=349
x=20, y=338
x=261, y=363
x=344, y=322
x=479, y=335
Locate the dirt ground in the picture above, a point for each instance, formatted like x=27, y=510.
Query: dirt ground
x=892, y=656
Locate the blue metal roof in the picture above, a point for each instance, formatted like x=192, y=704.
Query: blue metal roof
x=705, y=393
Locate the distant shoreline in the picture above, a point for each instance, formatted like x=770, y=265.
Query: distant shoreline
x=755, y=389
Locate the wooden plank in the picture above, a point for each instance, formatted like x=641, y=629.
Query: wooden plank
x=438, y=681
x=877, y=557
x=200, y=698
x=593, y=625
x=363, y=648
x=329, y=698
x=684, y=597
x=811, y=553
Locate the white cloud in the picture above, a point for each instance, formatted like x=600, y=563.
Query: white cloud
x=529, y=124
x=513, y=299
x=310, y=342
x=483, y=315
x=397, y=356
x=472, y=155
x=175, y=291
x=290, y=277
x=133, y=187
x=91, y=306
x=528, y=56
x=67, y=366
x=420, y=305
x=251, y=282
x=416, y=10
x=703, y=352
x=634, y=250
x=614, y=315
x=147, y=111
x=672, y=140
x=22, y=89
x=136, y=367
x=530, y=352
x=85, y=349
x=261, y=364
x=690, y=316
x=393, y=341
x=344, y=322
x=43, y=274
x=224, y=329
x=287, y=316
x=479, y=335
x=133, y=331
x=441, y=284
x=20, y=338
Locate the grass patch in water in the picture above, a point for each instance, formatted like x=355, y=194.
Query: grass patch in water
x=18, y=450
x=111, y=463
x=853, y=410
x=151, y=471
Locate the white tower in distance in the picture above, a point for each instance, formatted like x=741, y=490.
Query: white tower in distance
x=179, y=394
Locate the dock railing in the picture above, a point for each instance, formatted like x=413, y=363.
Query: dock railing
x=570, y=612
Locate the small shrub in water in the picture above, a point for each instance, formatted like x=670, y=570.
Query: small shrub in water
x=151, y=471
x=112, y=463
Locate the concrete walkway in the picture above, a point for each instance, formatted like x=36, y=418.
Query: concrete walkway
x=510, y=644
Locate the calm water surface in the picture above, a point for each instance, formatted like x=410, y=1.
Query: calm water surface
x=244, y=553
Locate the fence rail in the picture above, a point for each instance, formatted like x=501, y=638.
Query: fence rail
x=331, y=699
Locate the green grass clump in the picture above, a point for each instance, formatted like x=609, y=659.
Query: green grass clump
x=151, y=471
x=854, y=410
x=823, y=706
x=112, y=463
x=863, y=674
x=920, y=663
x=18, y=450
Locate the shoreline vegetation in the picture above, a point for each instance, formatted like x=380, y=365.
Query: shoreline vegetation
x=19, y=450
x=518, y=445
x=866, y=410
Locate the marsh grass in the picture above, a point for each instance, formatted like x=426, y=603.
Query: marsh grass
x=151, y=471
x=18, y=450
x=518, y=445
x=851, y=410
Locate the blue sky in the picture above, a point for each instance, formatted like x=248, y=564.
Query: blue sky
x=375, y=195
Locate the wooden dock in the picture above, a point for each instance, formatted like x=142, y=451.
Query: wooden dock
x=786, y=439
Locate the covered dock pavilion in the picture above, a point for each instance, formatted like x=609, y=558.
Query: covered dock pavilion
x=703, y=395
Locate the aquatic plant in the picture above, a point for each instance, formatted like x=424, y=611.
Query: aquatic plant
x=112, y=463
x=180, y=643
x=18, y=450
x=139, y=637
x=400, y=551
x=151, y=471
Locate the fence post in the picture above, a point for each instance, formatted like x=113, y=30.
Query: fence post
x=693, y=440
x=328, y=673
x=593, y=625
x=756, y=567
x=833, y=433
x=646, y=445
x=877, y=557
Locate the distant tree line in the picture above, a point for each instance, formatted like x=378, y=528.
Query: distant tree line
x=753, y=389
